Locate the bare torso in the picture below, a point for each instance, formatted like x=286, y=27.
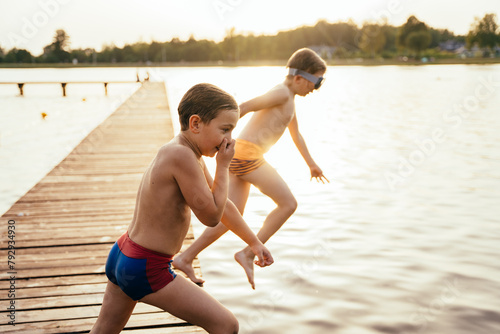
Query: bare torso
x=162, y=217
x=266, y=126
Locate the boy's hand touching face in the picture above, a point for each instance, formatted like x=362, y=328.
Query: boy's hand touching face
x=226, y=152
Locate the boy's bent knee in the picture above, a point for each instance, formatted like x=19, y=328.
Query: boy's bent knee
x=294, y=204
x=290, y=205
x=232, y=325
x=227, y=326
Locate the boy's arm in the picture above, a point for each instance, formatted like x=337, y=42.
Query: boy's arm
x=207, y=203
x=270, y=99
x=298, y=140
x=233, y=220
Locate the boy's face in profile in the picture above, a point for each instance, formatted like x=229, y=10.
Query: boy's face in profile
x=307, y=86
x=213, y=133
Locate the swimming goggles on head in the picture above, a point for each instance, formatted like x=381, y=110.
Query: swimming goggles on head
x=308, y=76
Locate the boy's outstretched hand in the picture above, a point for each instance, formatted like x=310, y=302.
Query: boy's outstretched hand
x=317, y=173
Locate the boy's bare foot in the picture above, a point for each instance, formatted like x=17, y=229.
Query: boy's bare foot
x=187, y=267
x=247, y=263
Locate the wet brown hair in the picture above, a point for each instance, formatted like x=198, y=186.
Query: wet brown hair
x=306, y=60
x=206, y=101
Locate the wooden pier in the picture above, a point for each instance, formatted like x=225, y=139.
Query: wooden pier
x=20, y=85
x=65, y=226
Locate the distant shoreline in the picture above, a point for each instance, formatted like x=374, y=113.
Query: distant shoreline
x=334, y=62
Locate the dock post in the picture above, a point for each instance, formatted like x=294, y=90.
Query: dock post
x=63, y=85
x=21, y=85
x=106, y=88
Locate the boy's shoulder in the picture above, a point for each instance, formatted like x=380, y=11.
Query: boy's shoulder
x=174, y=153
x=280, y=93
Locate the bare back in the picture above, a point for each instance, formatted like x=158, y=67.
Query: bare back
x=162, y=216
x=268, y=124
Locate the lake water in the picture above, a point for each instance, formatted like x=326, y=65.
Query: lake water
x=405, y=238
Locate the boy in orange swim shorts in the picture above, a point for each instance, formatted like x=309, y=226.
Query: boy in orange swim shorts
x=273, y=113
x=247, y=158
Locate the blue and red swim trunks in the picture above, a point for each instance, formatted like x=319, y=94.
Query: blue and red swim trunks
x=137, y=270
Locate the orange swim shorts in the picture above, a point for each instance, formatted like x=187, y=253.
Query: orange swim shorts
x=248, y=157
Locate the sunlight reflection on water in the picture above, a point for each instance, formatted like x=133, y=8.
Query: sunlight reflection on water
x=361, y=254
x=405, y=237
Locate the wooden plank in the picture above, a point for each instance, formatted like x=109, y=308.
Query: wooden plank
x=68, y=222
x=62, y=301
x=146, y=322
x=75, y=311
x=55, y=281
x=87, y=320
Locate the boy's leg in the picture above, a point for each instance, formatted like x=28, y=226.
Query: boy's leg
x=270, y=183
x=191, y=303
x=238, y=194
x=115, y=311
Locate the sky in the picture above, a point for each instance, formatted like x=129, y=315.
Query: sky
x=31, y=24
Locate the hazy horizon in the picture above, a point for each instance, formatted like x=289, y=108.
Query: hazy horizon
x=94, y=24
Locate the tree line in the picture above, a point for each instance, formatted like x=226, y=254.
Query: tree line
x=332, y=40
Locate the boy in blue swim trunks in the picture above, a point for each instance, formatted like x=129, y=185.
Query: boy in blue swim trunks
x=176, y=182
x=272, y=114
